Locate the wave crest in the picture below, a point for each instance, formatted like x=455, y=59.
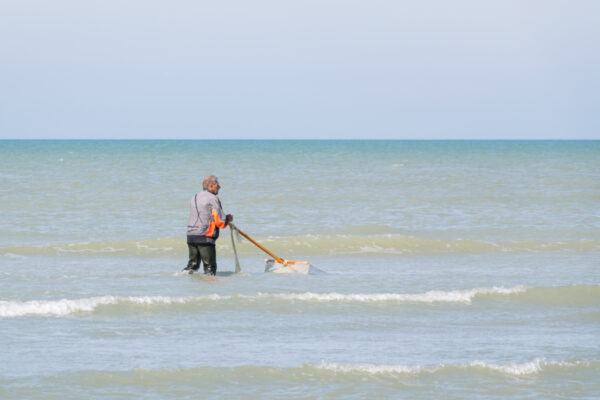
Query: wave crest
x=434, y=296
x=66, y=307
x=534, y=367
x=307, y=245
x=566, y=295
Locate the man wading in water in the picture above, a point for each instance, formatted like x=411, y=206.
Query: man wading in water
x=206, y=218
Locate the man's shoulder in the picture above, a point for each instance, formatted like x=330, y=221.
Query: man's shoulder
x=205, y=195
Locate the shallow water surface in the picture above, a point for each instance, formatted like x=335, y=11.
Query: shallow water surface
x=459, y=270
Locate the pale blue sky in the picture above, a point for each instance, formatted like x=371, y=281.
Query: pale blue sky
x=300, y=69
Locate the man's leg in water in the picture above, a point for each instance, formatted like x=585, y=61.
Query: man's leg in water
x=194, y=258
x=208, y=254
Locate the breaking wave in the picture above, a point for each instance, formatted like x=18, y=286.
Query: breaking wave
x=87, y=305
x=565, y=295
x=534, y=367
x=307, y=245
x=328, y=372
x=538, y=378
x=434, y=296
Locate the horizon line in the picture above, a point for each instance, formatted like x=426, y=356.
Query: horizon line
x=304, y=139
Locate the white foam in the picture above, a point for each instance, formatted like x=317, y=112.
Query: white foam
x=513, y=369
x=65, y=306
x=434, y=296
x=516, y=369
x=536, y=366
x=58, y=308
x=371, y=369
x=71, y=306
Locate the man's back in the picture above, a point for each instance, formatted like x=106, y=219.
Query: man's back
x=201, y=207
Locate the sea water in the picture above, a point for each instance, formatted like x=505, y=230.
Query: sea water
x=459, y=269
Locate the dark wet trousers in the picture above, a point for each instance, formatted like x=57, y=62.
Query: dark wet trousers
x=204, y=252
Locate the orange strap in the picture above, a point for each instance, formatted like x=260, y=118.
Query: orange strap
x=217, y=223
